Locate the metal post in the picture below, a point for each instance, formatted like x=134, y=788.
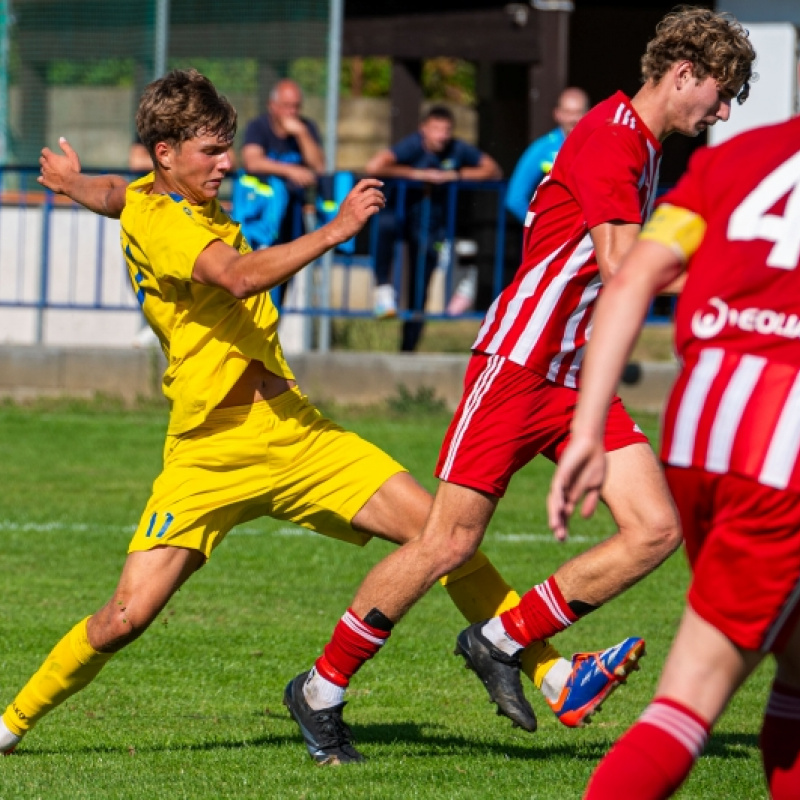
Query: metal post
x=44, y=267
x=161, y=44
x=160, y=48
x=331, y=141
x=5, y=115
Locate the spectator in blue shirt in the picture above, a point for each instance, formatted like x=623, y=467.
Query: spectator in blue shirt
x=537, y=160
x=431, y=155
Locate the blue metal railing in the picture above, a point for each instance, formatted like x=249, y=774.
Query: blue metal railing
x=37, y=229
x=79, y=265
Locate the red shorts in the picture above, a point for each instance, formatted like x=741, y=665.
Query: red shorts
x=507, y=416
x=743, y=543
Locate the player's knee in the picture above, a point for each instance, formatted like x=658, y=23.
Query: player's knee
x=668, y=535
x=450, y=552
x=118, y=624
x=460, y=554
x=663, y=537
x=656, y=536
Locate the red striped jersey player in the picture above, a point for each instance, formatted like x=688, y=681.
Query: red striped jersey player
x=730, y=448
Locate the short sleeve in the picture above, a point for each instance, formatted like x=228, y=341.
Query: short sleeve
x=254, y=133
x=604, y=176
x=174, y=241
x=467, y=155
x=408, y=150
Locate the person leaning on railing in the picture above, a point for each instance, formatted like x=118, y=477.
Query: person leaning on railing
x=433, y=155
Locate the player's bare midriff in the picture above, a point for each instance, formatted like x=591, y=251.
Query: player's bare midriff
x=256, y=384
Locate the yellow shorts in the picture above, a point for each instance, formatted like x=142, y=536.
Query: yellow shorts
x=280, y=458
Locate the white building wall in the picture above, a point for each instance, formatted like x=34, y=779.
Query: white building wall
x=774, y=93
x=84, y=267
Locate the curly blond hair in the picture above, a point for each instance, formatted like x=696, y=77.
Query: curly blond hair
x=715, y=43
x=181, y=105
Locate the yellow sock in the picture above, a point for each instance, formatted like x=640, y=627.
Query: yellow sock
x=71, y=665
x=479, y=592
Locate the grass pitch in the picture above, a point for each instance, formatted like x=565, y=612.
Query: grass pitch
x=193, y=709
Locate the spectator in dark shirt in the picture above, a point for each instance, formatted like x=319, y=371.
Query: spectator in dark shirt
x=434, y=156
x=282, y=142
x=286, y=145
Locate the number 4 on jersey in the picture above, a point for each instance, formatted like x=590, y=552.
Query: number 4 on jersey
x=751, y=221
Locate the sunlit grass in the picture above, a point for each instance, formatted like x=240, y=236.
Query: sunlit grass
x=192, y=710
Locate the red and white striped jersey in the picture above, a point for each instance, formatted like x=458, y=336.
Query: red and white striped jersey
x=607, y=170
x=736, y=405
x=736, y=413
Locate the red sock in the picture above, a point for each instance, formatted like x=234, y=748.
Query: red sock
x=654, y=757
x=542, y=612
x=780, y=742
x=353, y=642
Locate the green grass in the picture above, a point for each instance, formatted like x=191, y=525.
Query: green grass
x=457, y=336
x=192, y=710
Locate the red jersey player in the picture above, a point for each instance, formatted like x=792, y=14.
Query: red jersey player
x=520, y=391
x=730, y=446
x=606, y=172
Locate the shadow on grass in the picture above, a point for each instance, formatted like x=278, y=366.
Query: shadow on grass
x=731, y=745
x=418, y=740
x=408, y=739
x=426, y=741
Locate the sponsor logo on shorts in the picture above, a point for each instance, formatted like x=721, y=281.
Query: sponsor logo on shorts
x=763, y=321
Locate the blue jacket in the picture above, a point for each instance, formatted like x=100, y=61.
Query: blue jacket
x=533, y=165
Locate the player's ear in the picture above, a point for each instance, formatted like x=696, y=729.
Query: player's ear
x=163, y=154
x=684, y=73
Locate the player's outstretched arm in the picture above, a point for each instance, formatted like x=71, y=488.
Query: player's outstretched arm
x=103, y=194
x=253, y=273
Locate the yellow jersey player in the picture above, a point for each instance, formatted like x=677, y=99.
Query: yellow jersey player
x=242, y=440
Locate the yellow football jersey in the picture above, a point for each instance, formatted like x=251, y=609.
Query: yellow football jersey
x=207, y=335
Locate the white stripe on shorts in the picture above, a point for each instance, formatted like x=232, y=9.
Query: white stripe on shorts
x=479, y=390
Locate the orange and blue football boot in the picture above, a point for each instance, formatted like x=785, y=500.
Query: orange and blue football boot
x=594, y=677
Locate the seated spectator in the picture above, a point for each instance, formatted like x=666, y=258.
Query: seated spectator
x=538, y=158
x=283, y=145
x=434, y=156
